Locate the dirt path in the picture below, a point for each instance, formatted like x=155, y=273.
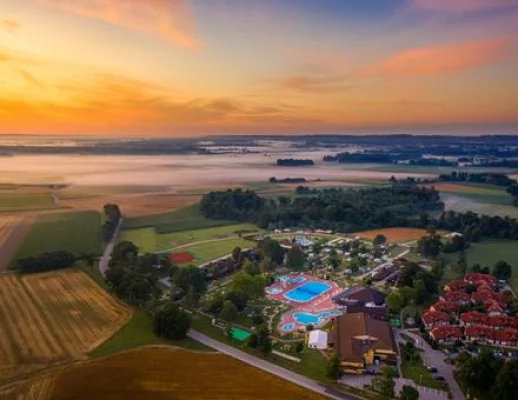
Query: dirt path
x=10, y=245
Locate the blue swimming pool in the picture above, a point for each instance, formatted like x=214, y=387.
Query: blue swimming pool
x=273, y=290
x=288, y=327
x=307, y=292
x=298, y=279
x=304, y=318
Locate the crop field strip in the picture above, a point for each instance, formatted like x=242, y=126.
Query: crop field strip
x=53, y=317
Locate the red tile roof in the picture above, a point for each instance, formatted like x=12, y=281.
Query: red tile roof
x=473, y=317
x=473, y=277
x=481, y=297
x=456, y=297
x=446, y=332
x=432, y=317
x=444, y=306
x=456, y=285
x=484, y=332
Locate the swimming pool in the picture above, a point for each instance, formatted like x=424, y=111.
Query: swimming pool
x=298, y=279
x=307, y=292
x=288, y=327
x=304, y=318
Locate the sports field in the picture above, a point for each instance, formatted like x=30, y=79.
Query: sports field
x=53, y=317
x=392, y=234
x=160, y=373
x=78, y=232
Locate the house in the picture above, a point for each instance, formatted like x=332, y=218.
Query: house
x=317, y=339
x=445, y=334
x=473, y=318
x=459, y=298
x=360, y=294
x=362, y=342
x=455, y=286
x=435, y=318
x=445, y=307
x=474, y=277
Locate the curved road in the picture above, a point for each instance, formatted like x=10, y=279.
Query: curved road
x=271, y=368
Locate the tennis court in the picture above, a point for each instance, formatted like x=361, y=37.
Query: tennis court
x=240, y=334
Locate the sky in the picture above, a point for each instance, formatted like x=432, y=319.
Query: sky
x=183, y=68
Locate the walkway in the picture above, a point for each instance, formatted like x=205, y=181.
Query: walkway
x=271, y=368
x=103, y=262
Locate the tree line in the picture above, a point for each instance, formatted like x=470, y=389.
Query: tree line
x=46, y=262
x=294, y=162
x=113, y=215
x=338, y=209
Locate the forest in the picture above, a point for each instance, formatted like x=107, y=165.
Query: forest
x=339, y=209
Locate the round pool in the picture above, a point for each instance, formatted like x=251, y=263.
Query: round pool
x=288, y=328
x=297, y=279
x=273, y=290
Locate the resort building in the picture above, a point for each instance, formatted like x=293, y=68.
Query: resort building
x=358, y=299
x=362, y=343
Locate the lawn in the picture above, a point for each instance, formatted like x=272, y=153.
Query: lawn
x=139, y=332
x=183, y=219
x=210, y=251
x=489, y=252
x=417, y=372
x=19, y=201
x=77, y=232
x=480, y=203
x=144, y=238
x=175, y=239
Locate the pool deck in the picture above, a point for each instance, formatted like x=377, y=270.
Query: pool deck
x=319, y=304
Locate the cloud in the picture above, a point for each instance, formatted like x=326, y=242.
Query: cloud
x=10, y=26
x=443, y=59
x=462, y=6
x=312, y=83
x=28, y=77
x=170, y=19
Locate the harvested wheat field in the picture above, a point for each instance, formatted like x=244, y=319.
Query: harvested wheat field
x=466, y=188
x=34, y=389
x=393, y=234
x=135, y=204
x=159, y=373
x=13, y=229
x=52, y=318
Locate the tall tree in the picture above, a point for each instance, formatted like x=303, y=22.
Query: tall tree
x=296, y=258
x=228, y=311
x=379, y=239
x=171, y=322
x=408, y=393
x=502, y=270
x=506, y=386
x=333, y=367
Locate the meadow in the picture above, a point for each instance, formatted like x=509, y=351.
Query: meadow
x=206, y=252
x=488, y=253
x=18, y=200
x=53, y=318
x=155, y=373
x=77, y=232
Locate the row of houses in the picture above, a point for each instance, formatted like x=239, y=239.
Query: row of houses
x=450, y=319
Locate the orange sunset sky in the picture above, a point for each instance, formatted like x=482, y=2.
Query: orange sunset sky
x=201, y=67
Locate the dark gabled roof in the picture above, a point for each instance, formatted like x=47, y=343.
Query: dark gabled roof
x=361, y=294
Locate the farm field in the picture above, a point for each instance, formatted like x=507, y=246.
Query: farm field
x=392, y=234
x=489, y=252
x=468, y=188
x=155, y=373
x=480, y=204
x=78, y=232
x=144, y=238
x=12, y=232
x=52, y=318
x=34, y=389
x=182, y=219
x=18, y=200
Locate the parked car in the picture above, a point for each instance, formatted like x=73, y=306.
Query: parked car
x=431, y=369
x=439, y=378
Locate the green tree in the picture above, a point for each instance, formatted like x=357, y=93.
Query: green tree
x=408, y=393
x=264, y=343
x=251, y=268
x=334, y=259
x=379, y=240
x=333, y=367
x=171, y=322
x=296, y=258
x=506, y=386
x=502, y=270
x=271, y=249
x=228, y=311
x=253, y=341
x=317, y=247
x=385, y=383
x=462, y=263
x=299, y=347
x=430, y=246
x=190, y=276
x=395, y=302
x=236, y=253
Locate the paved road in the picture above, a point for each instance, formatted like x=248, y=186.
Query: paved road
x=435, y=358
x=103, y=262
x=271, y=368
x=380, y=267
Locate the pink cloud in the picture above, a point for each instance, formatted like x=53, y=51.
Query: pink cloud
x=443, y=59
x=171, y=19
x=461, y=6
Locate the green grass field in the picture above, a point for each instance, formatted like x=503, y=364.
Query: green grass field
x=183, y=219
x=77, y=232
x=418, y=373
x=144, y=238
x=210, y=251
x=480, y=204
x=488, y=253
x=20, y=201
x=139, y=332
